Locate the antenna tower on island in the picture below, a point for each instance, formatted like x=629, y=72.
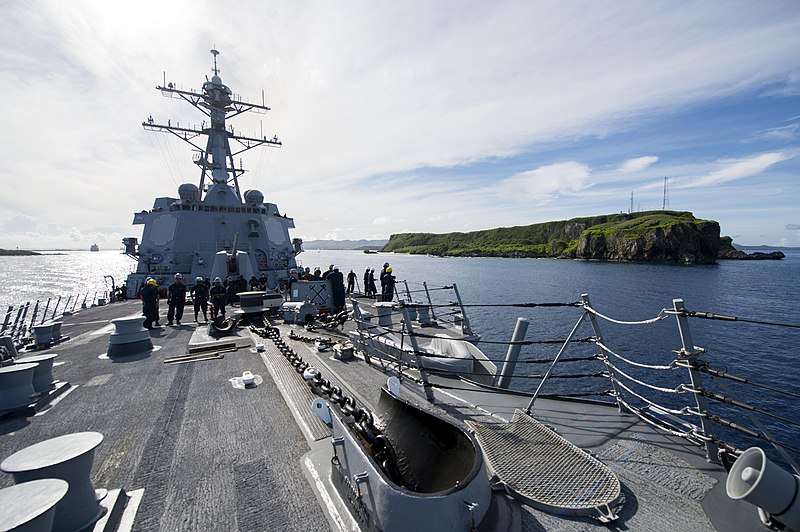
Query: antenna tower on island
x=665, y=202
x=630, y=211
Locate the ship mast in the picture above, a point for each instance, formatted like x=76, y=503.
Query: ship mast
x=218, y=103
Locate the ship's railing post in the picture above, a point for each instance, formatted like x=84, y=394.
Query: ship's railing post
x=553, y=364
x=35, y=313
x=360, y=326
x=430, y=303
x=413, y=339
x=17, y=320
x=7, y=318
x=467, y=329
x=690, y=353
x=408, y=292
x=55, y=309
x=599, y=336
x=47, y=306
x=510, y=363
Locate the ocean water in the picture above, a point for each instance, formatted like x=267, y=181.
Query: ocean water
x=78, y=274
x=755, y=290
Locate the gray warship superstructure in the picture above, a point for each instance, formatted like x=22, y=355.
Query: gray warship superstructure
x=213, y=229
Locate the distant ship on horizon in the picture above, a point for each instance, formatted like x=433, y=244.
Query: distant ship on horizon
x=94, y=247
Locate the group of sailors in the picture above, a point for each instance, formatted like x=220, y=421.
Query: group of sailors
x=332, y=274
x=202, y=293
x=220, y=294
x=387, y=280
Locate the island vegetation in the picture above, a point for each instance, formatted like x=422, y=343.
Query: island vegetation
x=649, y=236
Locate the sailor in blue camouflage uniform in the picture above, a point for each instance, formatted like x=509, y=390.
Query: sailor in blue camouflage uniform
x=176, y=298
x=218, y=295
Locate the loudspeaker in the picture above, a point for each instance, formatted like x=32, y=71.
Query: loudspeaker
x=755, y=479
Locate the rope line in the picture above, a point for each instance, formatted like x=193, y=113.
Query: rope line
x=524, y=305
x=659, y=424
x=722, y=317
x=602, y=346
x=685, y=411
x=735, y=378
x=676, y=391
x=744, y=406
x=661, y=316
x=587, y=339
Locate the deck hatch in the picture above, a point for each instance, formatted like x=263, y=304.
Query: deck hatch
x=545, y=470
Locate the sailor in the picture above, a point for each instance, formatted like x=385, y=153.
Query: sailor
x=230, y=290
x=176, y=298
x=373, y=290
x=200, y=296
x=366, y=282
x=351, y=282
x=317, y=274
x=253, y=283
x=292, y=279
x=388, y=284
x=337, y=289
x=306, y=275
x=262, y=281
x=149, y=294
x=218, y=297
x=327, y=273
x=383, y=274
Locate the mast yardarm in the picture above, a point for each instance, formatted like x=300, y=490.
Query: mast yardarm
x=218, y=103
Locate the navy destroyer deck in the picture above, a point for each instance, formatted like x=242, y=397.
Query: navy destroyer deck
x=193, y=451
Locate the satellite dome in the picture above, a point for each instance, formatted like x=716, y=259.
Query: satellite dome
x=254, y=196
x=189, y=192
x=216, y=80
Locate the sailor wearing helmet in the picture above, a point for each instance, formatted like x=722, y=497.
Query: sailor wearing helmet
x=149, y=295
x=200, y=297
x=293, y=276
x=218, y=297
x=176, y=298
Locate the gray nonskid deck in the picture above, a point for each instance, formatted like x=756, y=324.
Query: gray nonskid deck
x=209, y=456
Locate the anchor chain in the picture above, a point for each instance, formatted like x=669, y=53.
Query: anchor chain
x=378, y=443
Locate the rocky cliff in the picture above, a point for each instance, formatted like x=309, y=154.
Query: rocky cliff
x=687, y=242
x=727, y=251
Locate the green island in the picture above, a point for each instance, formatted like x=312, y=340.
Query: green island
x=649, y=236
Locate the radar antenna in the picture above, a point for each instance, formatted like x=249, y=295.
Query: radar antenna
x=215, y=54
x=219, y=103
x=665, y=201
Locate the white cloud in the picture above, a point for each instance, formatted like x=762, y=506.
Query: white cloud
x=547, y=181
x=637, y=165
x=732, y=170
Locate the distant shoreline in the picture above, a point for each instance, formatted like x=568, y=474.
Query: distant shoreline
x=17, y=253
x=25, y=253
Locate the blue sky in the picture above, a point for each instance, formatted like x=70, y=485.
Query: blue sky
x=414, y=116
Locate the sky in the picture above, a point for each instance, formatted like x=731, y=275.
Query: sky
x=432, y=116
